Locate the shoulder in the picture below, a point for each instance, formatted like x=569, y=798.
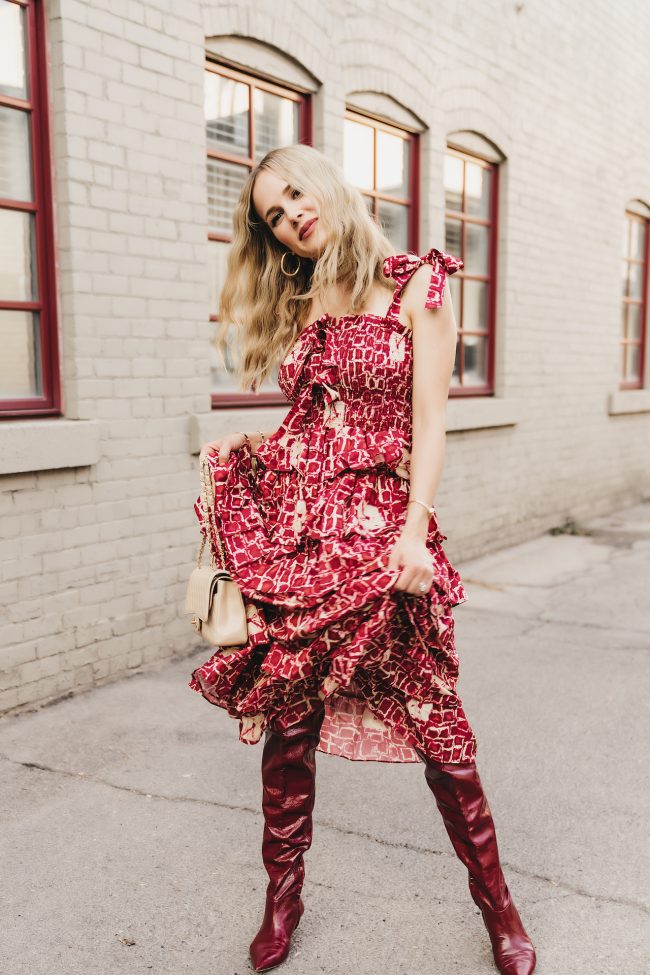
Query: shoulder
x=416, y=294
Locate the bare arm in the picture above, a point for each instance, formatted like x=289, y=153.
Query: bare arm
x=434, y=350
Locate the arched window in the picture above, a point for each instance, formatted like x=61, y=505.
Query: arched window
x=380, y=157
x=246, y=113
x=634, y=311
x=471, y=193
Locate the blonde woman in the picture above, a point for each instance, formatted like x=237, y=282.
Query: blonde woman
x=330, y=531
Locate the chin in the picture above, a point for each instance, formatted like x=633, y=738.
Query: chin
x=318, y=246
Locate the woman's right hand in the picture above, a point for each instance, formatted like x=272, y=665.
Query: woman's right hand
x=222, y=447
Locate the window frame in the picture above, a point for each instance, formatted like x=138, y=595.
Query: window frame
x=42, y=207
x=644, y=261
x=461, y=216
x=236, y=398
x=412, y=201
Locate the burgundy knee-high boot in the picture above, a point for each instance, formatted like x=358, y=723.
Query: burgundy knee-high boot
x=288, y=795
x=468, y=820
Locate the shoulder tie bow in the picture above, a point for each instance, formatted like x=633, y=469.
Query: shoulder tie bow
x=400, y=267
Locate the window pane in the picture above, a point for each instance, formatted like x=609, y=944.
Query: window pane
x=393, y=220
x=13, y=66
x=633, y=362
x=474, y=360
x=475, y=307
x=453, y=183
x=20, y=362
x=370, y=203
x=224, y=373
x=477, y=190
x=225, y=181
x=276, y=122
x=218, y=253
x=392, y=164
x=15, y=155
x=624, y=275
x=476, y=255
x=17, y=257
x=637, y=239
x=226, y=114
x=358, y=154
x=635, y=280
x=453, y=238
x=633, y=321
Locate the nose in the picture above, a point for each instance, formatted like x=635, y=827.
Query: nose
x=295, y=219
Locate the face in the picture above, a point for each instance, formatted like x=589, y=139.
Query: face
x=287, y=212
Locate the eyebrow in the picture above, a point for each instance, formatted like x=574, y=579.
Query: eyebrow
x=271, y=209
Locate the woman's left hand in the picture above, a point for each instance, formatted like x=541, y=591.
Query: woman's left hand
x=411, y=555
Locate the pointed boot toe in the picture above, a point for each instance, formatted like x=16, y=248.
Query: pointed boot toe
x=272, y=943
x=513, y=950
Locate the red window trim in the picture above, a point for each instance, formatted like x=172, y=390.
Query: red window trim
x=411, y=201
x=645, y=262
x=487, y=389
x=49, y=404
x=233, y=398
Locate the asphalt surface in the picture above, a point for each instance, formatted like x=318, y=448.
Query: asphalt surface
x=131, y=819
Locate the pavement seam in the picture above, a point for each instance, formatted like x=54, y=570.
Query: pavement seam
x=565, y=888
x=538, y=621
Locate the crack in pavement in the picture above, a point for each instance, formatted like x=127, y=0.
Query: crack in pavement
x=566, y=888
x=538, y=620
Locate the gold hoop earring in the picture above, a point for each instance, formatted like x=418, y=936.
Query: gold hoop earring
x=289, y=274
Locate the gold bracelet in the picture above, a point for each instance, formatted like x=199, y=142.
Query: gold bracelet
x=248, y=439
x=431, y=509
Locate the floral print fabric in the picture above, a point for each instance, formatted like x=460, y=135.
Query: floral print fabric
x=307, y=524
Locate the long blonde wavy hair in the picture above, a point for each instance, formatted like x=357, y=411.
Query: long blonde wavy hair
x=270, y=309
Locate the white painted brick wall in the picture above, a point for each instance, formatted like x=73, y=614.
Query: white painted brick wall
x=95, y=559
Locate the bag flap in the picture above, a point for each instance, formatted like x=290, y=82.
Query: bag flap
x=202, y=584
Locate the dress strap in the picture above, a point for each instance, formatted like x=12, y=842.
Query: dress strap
x=400, y=267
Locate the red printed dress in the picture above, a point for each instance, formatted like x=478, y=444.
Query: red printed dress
x=307, y=526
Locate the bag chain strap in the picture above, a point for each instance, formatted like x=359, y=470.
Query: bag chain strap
x=208, y=510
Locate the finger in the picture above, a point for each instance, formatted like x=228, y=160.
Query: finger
x=408, y=580
x=424, y=580
x=393, y=561
x=399, y=582
x=412, y=585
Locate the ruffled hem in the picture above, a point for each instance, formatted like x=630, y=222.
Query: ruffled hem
x=326, y=623
x=390, y=666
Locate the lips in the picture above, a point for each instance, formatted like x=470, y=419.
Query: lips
x=306, y=227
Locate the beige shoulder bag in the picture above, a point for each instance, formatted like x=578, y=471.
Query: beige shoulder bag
x=213, y=597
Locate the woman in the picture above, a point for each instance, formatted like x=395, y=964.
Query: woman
x=330, y=532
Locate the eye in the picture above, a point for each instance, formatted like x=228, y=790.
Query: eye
x=277, y=216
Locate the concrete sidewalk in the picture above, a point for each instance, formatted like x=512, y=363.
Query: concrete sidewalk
x=132, y=823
